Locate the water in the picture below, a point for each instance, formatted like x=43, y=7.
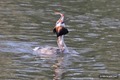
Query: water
x=94, y=27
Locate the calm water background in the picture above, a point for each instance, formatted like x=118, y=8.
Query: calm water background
x=94, y=27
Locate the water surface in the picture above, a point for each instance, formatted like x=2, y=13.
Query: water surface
x=94, y=27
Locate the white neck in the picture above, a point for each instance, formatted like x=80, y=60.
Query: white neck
x=60, y=24
x=62, y=46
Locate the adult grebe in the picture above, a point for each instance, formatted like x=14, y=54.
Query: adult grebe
x=60, y=31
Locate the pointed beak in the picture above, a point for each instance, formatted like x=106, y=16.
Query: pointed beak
x=61, y=20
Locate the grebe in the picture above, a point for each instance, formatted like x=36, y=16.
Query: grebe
x=60, y=31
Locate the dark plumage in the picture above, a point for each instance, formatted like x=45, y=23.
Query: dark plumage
x=60, y=31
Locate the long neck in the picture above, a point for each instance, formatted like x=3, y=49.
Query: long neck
x=62, y=46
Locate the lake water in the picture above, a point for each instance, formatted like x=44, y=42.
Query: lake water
x=94, y=32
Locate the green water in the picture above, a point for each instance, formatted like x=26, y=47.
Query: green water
x=94, y=32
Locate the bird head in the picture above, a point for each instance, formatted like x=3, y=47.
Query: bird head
x=60, y=22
